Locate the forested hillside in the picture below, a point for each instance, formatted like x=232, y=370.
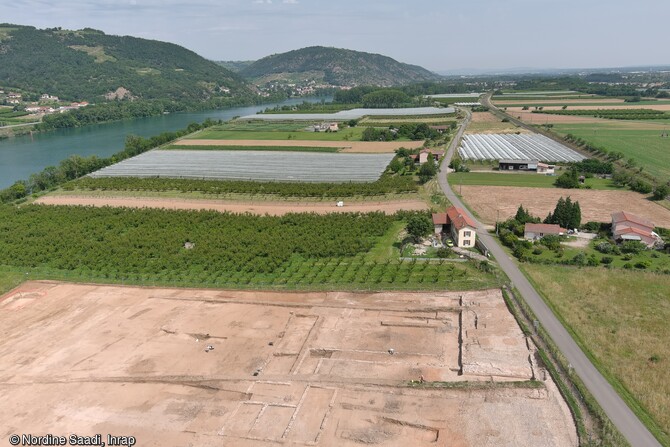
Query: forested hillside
x=337, y=66
x=88, y=64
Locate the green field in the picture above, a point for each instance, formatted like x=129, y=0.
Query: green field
x=521, y=180
x=191, y=147
x=551, y=103
x=296, y=251
x=456, y=99
x=620, y=319
x=645, y=146
x=349, y=134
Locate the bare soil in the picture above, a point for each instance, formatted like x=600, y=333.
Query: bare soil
x=596, y=205
x=346, y=146
x=486, y=122
x=260, y=207
x=292, y=368
x=541, y=118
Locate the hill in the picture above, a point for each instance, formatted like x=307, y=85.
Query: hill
x=235, y=66
x=336, y=66
x=91, y=65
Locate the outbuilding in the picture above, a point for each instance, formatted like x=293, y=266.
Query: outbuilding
x=509, y=164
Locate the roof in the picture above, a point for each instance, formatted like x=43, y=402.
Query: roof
x=517, y=161
x=439, y=218
x=623, y=216
x=459, y=219
x=544, y=228
x=431, y=151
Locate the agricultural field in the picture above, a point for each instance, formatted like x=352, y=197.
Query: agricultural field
x=620, y=319
x=527, y=180
x=254, y=166
x=370, y=147
x=337, y=251
x=512, y=146
x=216, y=133
x=213, y=367
x=259, y=206
x=486, y=122
x=616, y=114
x=491, y=202
x=639, y=140
x=387, y=185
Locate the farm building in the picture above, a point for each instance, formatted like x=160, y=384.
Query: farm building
x=533, y=231
x=422, y=157
x=507, y=164
x=457, y=225
x=543, y=168
x=629, y=227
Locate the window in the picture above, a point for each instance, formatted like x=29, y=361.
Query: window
x=467, y=234
x=466, y=242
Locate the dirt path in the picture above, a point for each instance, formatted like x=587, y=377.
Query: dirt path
x=596, y=205
x=347, y=146
x=260, y=207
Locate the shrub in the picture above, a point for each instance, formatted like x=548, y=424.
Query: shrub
x=443, y=252
x=642, y=264
x=628, y=266
x=551, y=241
x=605, y=247
x=579, y=259
x=632, y=247
x=537, y=251
x=606, y=260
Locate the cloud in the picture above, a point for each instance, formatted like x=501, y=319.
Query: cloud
x=290, y=2
x=263, y=2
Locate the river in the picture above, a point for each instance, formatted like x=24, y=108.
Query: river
x=25, y=155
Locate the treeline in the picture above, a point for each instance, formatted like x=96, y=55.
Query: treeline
x=613, y=114
x=387, y=184
x=119, y=110
x=414, y=132
x=76, y=166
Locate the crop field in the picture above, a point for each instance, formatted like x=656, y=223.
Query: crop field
x=219, y=147
x=294, y=251
x=216, y=133
x=617, y=114
x=301, y=145
x=645, y=145
x=346, y=115
x=620, y=318
x=387, y=185
x=256, y=166
x=525, y=147
x=259, y=207
x=527, y=180
x=491, y=202
x=486, y=122
x=219, y=367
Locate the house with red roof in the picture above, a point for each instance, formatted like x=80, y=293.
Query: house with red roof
x=629, y=227
x=458, y=225
x=533, y=231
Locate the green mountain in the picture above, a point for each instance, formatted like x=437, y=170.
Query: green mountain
x=336, y=66
x=90, y=65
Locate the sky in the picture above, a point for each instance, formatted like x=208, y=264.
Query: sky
x=440, y=35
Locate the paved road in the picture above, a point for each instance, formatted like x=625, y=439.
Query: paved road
x=617, y=410
x=19, y=125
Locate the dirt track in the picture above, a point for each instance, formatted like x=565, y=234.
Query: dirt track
x=596, y=205
x=316, y=368
x=347, y=146
x=259, y=207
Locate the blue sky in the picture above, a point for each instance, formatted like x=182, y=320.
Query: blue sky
x=437, y=34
